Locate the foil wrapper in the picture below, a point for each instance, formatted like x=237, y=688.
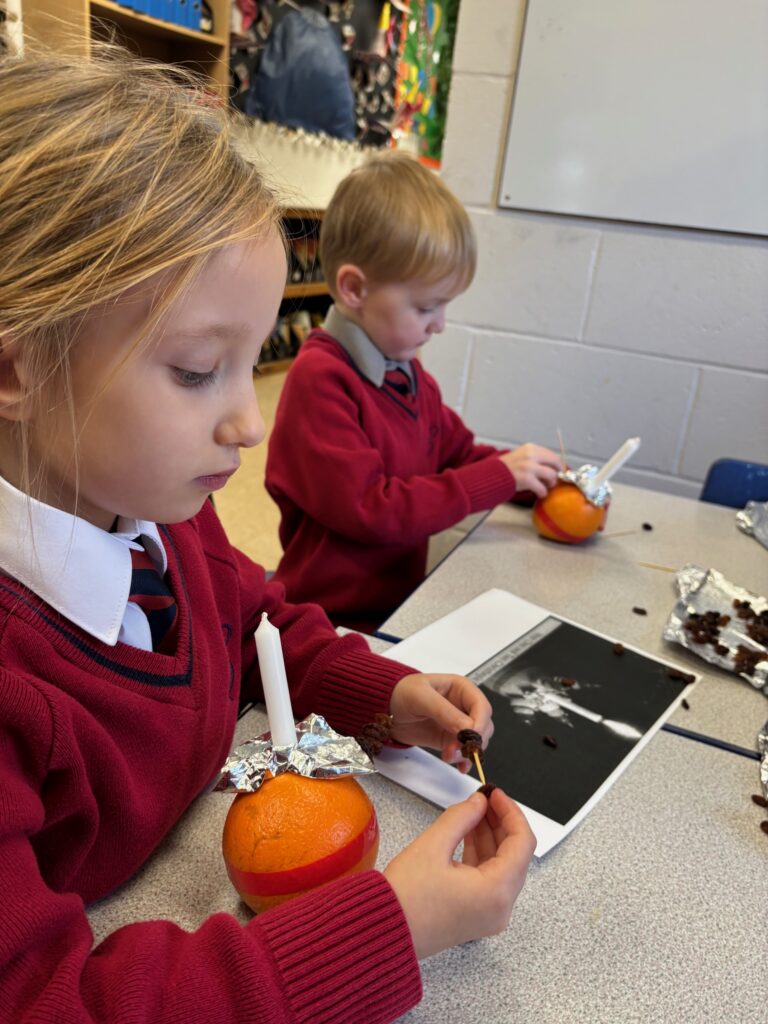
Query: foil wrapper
x=753, y=519
x=582, y=478
x=762, y=746
x=704, y=590
x=319, y=753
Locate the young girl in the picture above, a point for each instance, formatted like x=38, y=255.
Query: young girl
x=142, y=268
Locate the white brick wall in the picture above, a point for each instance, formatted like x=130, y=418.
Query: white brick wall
x=604, y=330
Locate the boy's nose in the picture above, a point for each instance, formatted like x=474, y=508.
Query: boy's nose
x=244, y=425
x=438, y=323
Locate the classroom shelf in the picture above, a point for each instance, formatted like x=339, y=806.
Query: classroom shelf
x=152, y=26
x=301, y=291
x=70, y=25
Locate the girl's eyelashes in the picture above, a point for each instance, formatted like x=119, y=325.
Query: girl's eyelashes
x=192, y=379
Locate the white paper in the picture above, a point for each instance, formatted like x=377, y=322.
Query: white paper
x=460, y=642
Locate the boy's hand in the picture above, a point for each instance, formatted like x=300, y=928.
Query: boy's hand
x=429, y=710
x=446, y=902
x=533, y=467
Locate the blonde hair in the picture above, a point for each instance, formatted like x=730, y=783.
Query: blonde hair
x=396, y=220
x=113, y=170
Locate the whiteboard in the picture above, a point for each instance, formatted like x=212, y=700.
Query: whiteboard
x=643, y=110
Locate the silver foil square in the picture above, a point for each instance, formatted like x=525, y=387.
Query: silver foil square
x=319, y=753
x=704, y=590
x=753, y=520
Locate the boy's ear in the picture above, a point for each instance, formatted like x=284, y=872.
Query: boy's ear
x=14, y=394
x=351, y=285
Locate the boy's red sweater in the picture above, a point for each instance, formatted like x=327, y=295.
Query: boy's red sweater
x=101, y=751
x=363, y=478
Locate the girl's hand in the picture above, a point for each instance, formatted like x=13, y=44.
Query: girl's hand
x=429, y=710
x=446, y=902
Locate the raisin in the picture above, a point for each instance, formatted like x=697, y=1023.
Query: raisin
x=469, y=736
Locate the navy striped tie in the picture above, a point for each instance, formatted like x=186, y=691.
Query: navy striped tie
x=399, y=381
x=150, y=592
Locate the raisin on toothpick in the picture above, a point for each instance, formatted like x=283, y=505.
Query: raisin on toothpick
x=471, y=743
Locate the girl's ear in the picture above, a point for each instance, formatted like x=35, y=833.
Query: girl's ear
x=351, y=285
x=15, y=401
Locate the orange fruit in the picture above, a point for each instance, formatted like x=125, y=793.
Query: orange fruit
x=294, y=834
x=567, y=516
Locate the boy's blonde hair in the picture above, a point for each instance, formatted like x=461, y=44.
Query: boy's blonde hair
x=113, y=169
x=396, y=220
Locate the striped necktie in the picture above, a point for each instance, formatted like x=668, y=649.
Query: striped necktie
x=399, y=381
x=150, y=592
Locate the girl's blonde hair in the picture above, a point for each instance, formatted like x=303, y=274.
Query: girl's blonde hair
x=113, y=170
x=396, y=220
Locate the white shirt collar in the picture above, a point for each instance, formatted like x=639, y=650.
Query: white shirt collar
x=77, y=568
x=368, y=359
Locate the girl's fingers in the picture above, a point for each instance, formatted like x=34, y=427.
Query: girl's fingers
x=513, y=833
x=444, y=835
x=480, y=844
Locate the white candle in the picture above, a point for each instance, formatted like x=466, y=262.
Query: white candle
x=614, y=464
x=275, y=683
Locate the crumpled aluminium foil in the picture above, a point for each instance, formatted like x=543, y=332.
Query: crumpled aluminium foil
x=581, y=477
x=762, y=746
x=753, y=519
x=319, y=753
x=703, y=590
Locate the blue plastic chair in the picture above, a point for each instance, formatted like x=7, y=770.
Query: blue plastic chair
x=735, y=482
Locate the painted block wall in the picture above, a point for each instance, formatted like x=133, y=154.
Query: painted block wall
x=603, y=330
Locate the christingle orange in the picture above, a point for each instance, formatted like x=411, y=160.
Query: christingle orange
x=296, y=833
x=566, y=515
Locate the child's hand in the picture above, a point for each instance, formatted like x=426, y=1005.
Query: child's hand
x=430, y=709
x=533, y=467
x=446, y=902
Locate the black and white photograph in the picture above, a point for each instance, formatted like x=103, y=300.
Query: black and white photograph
x=567, y=710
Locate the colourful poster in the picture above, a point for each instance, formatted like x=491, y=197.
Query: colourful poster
x=426, y=46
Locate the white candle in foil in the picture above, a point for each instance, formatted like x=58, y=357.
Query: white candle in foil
x=275, y=683
x=614, y=464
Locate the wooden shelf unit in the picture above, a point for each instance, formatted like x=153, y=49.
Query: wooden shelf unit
x=302, y=291
x=300, y=298
x=71, y=24
x=300, y=224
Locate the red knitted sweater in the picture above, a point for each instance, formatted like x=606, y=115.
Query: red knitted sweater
x=101, y=751
x=363, y=479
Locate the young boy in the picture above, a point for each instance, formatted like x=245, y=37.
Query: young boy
x=365, y=461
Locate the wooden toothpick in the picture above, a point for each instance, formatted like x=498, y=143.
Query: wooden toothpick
x=653, y=565
x=562, y=445
x=480, y=772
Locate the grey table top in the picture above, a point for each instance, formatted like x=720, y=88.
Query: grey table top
x=652, y=910
x=598, y=583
